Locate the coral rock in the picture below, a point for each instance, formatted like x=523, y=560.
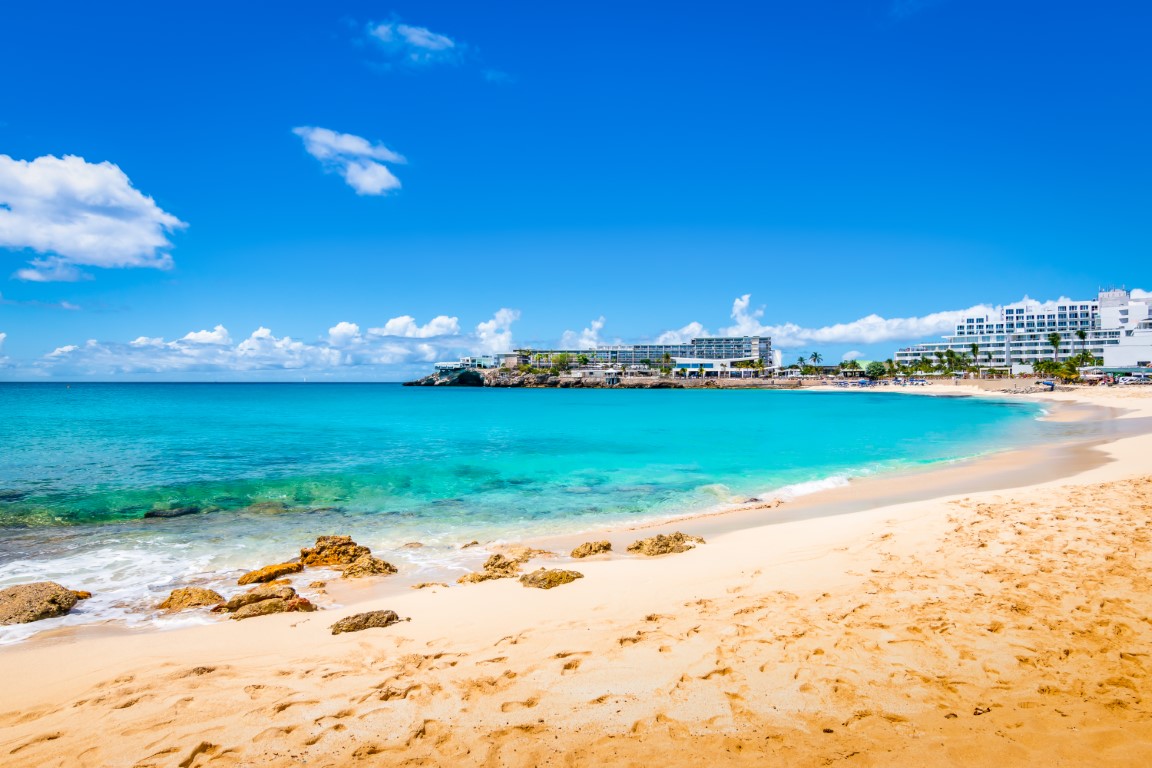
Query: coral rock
x=256, y=595
x=496, y=567
x=190, y=597
x=269, y=573
x=664, y=545
x=367, y=565
x=366, y=621
x=333, y=550
x=82, y=594
x=546, y=578
x=33, y=602
x=274, y=605
x=589, y=548
x=427, y=584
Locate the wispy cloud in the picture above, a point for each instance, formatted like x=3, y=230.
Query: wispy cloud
x=412, y=46
x=683, y=335
x=358, y=161
x=65, y=305
x=79, y=214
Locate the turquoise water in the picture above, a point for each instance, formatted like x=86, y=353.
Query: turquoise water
x=270, y=467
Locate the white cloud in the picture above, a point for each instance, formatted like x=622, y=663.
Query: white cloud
x=79, y=214
x=495, y=335
x=1138, y=293
x=343, y=333
x=589, y=338
x=401, y=347
x=852, y=355
x=683, y=335
x=3, y=336
x=407, y=327
x=872, y=329
x=357, y=160
x=415, y=46
x=218, y=335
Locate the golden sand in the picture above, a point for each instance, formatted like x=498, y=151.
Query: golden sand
x=1007, y=628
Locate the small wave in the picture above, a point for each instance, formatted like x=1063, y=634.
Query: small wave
x=807, y=488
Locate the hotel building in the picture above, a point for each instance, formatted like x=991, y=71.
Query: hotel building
x=1116, y=327
x=711, y=352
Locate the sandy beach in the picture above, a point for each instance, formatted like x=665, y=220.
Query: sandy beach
x=957, y=628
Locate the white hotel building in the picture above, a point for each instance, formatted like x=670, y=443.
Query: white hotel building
x=1117, y=328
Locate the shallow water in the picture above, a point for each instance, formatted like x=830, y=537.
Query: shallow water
x=270, y=467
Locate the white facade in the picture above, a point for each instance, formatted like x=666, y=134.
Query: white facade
x=1018, y=336
x=1134, y=348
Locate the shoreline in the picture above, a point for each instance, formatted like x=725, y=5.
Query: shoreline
x=493, y=629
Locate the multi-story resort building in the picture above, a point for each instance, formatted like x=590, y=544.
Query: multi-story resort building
x=708, y=352
x=712, y=354
x=1115, y=327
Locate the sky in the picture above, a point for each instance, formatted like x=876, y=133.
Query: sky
x=354, y=190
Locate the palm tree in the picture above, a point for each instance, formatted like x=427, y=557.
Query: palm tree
x=1082, y=335
x=1054, y=340
x=815, y=358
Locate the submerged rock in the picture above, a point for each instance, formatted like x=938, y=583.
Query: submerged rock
x=268, y=508
x=546, y=578
x=11, y=494
x=367, y=565
x=269, y=573
x=472, y=543
x=496, y=567
x=589, y=548
x=190, y=597
x=40, y=600
x=412, y=545
x=256, y=595
x=665, y=545
x=367, y=620
x=333, y=550
x=274, y=605
x=174, y=512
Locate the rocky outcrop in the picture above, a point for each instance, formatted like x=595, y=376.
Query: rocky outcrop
x=496, y=567
x=40, y=600
x=546, y=578
x=333, y=550
x=190, y=597
x=270, y=573
x=589, y=548
x=264, y=600
x=174, y=512
x=369, y=620
x=367, y=565
x=275, y=605
x=665, y=545
x=255, y=595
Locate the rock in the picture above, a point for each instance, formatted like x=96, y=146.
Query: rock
x=333, y=550
x=33, y=602
x=472, y=543
x=589, y=548
x=522, y=553
x=269, y=572
x=495, y=567
x=318, y=585
x=426, y=584
x=256, y=595
x=366, y=621
x=664, y=545
x=82, y=594
x=11, y=494
x=274, y=605
x=174, y=512
x=412, y=545
x=546, y=578
x=190, y=597
x=367, y=565
x=268, y=508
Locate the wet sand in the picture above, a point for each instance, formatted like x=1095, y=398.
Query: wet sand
x=986, y=617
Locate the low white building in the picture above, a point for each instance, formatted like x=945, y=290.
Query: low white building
x=1134, y=348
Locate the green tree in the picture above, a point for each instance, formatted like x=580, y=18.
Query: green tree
x=815, y=358
x=561, y=362
x=875, y=370
x=1054, y=341
x=582, y=359
x=1082, y=335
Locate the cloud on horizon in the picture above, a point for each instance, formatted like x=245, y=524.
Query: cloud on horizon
x=355, y=159
x=401, y=340
x=589, y=338
x=79, y=214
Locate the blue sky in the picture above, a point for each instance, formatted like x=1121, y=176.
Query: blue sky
x=293, y=166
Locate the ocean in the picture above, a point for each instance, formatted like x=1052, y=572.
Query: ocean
x=269, y=467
